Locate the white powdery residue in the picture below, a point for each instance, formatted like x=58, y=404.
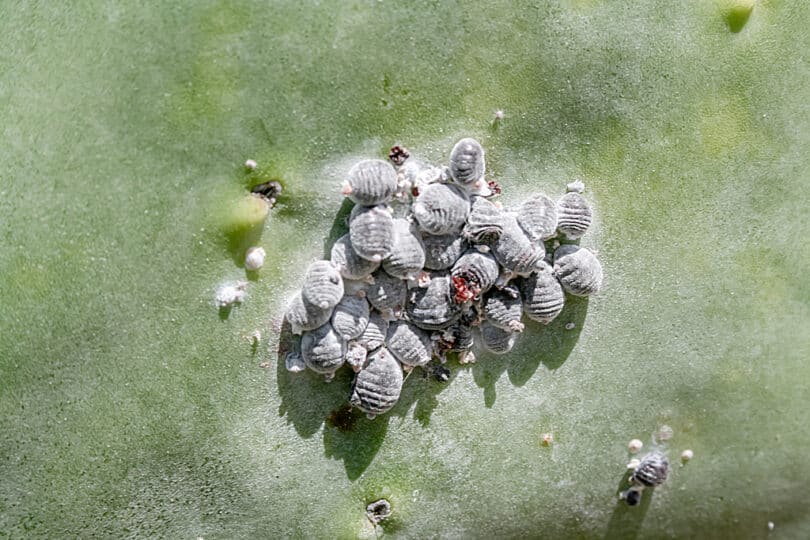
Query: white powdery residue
x=229, y=294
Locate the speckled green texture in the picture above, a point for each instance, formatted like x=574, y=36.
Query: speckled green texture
x=130, y=407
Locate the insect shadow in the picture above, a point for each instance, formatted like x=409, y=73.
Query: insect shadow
x=549, y=344
x=626, y=521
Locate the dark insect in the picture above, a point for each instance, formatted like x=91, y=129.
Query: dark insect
x=398, y=155
x=494, y=187
x=378, y=511
x=632, y=497
x=268, y=190
x=652, y=471
x=439, y=373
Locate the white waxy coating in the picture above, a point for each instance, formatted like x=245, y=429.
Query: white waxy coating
x=467, y=163
x=538, y=218
x=634, y=446
x=230, y=294
x=350, y=317
x=441, y=208
x=485, y=222
x=496, y=340
x=410, y=345
x=543, y=297
x=443, y=250
x=573, y=215
x=356, y=356
x=323, y=350
x=370, y=182
x=323, y=286
x=254, y=258
x=348, y=262
x=371, y=231
x=477, y=269
x=373, y=337
x=386, y=293
x=376, y=388
x=578, y=270
x=407, y=254
x=503, y=308
x=687, y=455
x=514, y=251
x=303, y=315
x=432, y=307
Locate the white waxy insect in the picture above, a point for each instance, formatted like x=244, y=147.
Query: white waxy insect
x=373, y=337
x=504, y=308
x=441, y=208
x=409, y=344
x=574, y=215
x=443, y=250
x=687, y=455
x=323, y=286
x=432, y=307
x=349, y=263
x=231, y=294
x=543, y=297
x=323, y=350
x=578, y=270
x=496, y=340
x=356, y=356
x=254, y=258
x=304, y=316
x=407, y=253
x=350, y=317
x=376, y=388
x=251, y=164
x=386, y=294
x=370, y=182
x=371, y=231
x=538, y=218
x=485, y=222
x=652, y=471
x=472, y=274
x=634, y=446
x=514, y=251
x=467, y=163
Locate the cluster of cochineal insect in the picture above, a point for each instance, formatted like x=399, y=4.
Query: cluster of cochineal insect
x=431, y=264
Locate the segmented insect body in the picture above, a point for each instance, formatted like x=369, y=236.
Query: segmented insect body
x=443, y=250
x=370, y=182
x=543, y=296
x=496, y=340
x=407, y=254
x=348, y=262
x=538, y=218
x=304, y=316
x=503, y=308
x=409, y=344
x=323, y=350
x=516, y=253
x=441, y=208
x=431, y=307
x=484, y=223
x=386, y=293
x=573, y=215
x=578, y=270
x=376, y=388
x=472, y=274
x=350, y=317
x=371, y=231
x=467, y=163
x=323, y=286
x=652, y=471
x=373, y=337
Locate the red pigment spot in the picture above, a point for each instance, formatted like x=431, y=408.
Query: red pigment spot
x=495, y=187
x=415, y=191
x=464, y=291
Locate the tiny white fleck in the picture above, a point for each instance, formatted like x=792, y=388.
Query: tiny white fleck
x=577, y=186
x=633, y=463
x=686, y=455
x=634, y=446
x=254, y=258
x=570, y=326
x=499, y=114
x=771, y=525
x=251, y=164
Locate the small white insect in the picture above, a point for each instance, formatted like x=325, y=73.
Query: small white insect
x=771, y=525
x=633, y=463
x=687, y=455
x=574, y=215
x=634, y=446
x=570, y=326
x=467, y=161
x=254, y=258
x=251, y=164
x=499, y=115
x=229, y=294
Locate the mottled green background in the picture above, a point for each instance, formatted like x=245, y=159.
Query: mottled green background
x=129, y=407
